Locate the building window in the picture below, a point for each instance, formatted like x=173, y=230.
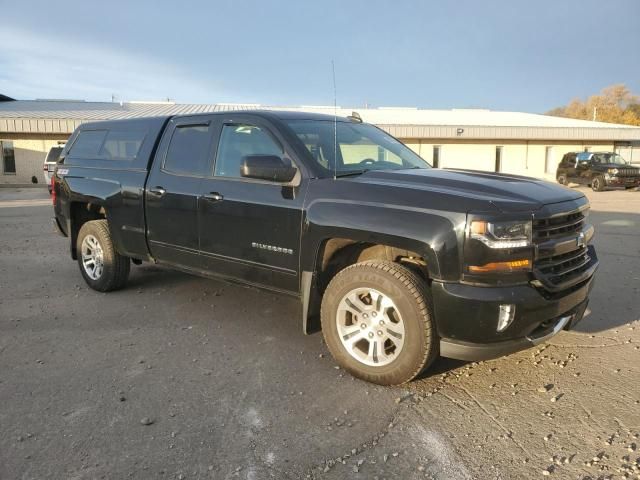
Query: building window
x=549, y=162
x=498, y=159
x=436, y=156
x=8, y=158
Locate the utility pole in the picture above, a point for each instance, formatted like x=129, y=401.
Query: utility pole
x=595, y=113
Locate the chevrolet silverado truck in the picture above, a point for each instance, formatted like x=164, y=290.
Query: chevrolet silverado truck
x=396, y=262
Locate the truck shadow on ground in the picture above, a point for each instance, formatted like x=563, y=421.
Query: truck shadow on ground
x=615, y=298
x=614, y=301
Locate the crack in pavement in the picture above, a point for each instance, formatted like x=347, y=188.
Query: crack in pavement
x=331, y=462
x=454, y=401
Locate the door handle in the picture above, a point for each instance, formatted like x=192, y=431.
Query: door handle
x=214, y=197
x=157, y=191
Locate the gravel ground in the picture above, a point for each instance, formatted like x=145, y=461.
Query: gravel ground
x=181, y=377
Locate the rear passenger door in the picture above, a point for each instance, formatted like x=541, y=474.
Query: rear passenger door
x=583, y=168
x=172, y=191
x=250, y=229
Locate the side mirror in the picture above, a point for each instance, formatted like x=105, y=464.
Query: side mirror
x=583, y=163
x=268, y=167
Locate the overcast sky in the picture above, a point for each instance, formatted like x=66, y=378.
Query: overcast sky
x=504, y=55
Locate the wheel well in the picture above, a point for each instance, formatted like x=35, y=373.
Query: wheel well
x=339, y=253
x=81, y=213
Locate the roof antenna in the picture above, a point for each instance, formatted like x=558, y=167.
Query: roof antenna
x=335, y=123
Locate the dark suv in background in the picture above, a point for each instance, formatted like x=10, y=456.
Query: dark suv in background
x=598, y=170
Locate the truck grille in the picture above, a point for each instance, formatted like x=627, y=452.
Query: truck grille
x=559, y=273
x=628, y=172
x=559, y=226
x=559, y=269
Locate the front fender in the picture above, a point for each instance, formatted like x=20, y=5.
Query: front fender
x=435, y=236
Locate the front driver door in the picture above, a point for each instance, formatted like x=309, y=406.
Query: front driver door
x=250, y=229
x=569, y=162
x=173, y=191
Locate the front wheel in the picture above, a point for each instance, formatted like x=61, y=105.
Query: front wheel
x=377, y=321
x=102, y=267
x=597, y=184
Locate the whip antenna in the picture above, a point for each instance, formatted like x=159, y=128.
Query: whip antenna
x=335, y=123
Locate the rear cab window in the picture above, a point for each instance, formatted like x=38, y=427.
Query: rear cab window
x=107, y=144
x=122, y=145
x=87, y=143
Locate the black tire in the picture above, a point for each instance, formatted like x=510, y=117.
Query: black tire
x=115, y=267
x=562, y=180
x=412, y=298
x=597, y=183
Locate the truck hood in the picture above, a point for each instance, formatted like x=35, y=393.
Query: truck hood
x=508, y=193
x=618, y=166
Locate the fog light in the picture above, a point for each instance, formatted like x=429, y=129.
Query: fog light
x=505, y=316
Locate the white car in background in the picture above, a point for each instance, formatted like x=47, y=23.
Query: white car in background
x=50, y=163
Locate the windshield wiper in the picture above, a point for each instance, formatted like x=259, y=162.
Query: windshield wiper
x=350, y=173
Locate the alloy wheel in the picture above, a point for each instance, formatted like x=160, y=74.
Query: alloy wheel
x=370, y=327
x=92, y=257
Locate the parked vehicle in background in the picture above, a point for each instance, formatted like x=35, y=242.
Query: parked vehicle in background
x=50, y=163
x=599, y=170
x=395, y=261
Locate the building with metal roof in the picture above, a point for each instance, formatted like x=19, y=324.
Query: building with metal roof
x=512, y=142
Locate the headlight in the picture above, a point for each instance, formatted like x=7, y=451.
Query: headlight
x=510, y=234
x=613, y=171
x=497, y=252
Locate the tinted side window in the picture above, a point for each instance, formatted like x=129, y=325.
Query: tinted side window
x=238, y=141
x=54, y=154
x=122, y=145
x=88, y=143
x=188, y=152
x=569, y=159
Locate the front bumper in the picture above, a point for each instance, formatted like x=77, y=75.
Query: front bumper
x=466, y=317
x=615, y=181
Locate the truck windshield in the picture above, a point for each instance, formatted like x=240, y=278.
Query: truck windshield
x=609, y=158
x=358, y=147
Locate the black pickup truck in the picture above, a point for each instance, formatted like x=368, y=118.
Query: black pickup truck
x=395, y=261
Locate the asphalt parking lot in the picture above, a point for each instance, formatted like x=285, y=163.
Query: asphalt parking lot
x=182, y=377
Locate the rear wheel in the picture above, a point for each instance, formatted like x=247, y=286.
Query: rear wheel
x=377, y=321
x=102, y=267
x=562, y=180
x=597, y=184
